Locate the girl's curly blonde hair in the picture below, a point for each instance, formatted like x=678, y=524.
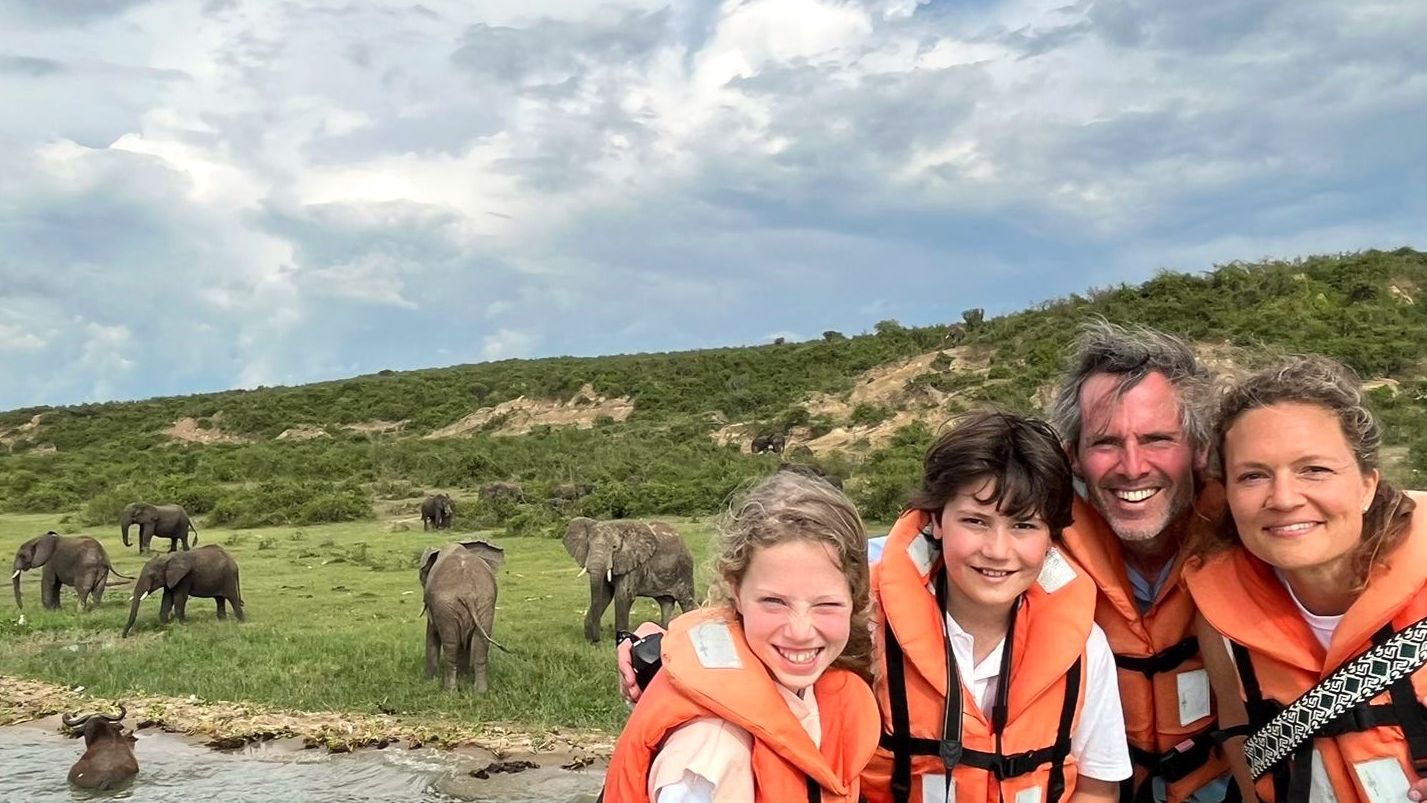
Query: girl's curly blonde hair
x=793, y=507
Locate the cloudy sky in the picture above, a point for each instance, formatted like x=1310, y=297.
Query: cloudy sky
x=197, y=196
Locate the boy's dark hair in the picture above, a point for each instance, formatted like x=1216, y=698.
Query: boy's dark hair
x=1022, y=456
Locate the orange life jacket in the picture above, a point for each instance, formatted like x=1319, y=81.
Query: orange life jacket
x=1038, y=702
x=1368, y=754
x=709, y=671
x=1156, y=654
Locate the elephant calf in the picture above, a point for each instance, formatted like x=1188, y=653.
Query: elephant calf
x=207, y=571
x=459, y=585
x=68, y=560
x=628, y=559
x=108, y=759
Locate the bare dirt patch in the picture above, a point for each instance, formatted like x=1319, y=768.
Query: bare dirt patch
x=884, y=386
x=29, y=429
x=231, y=724
x=521, y=414
x=303, y=433
x=187, y=429
x=376, y=427
x=1403, y=289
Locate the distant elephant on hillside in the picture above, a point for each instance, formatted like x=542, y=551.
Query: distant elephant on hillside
x=628, y=559
x=459, y=588
x=503, y=491
x=68, y=560
x=203, y=572
x=773, y=442
x=571, y=491
x=108, y=759
x=164, y=521
x=437, y=511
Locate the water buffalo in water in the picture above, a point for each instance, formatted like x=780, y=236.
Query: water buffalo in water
x=108, y=758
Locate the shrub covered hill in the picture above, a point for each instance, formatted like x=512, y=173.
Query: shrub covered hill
x=525, y=444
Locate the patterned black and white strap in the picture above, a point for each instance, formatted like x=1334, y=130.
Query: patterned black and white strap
x=1357, y=681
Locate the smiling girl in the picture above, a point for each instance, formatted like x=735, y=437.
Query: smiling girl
x=997, y=684
x=763, y=695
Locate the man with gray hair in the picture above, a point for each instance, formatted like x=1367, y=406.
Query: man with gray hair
x=1130, y=411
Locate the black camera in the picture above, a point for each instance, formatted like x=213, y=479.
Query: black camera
x=644, y=656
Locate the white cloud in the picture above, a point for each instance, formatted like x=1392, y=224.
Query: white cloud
x=273, y=192
x=506, y=344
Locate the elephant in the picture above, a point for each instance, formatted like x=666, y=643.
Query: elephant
x=628, y=559
x=108, y=759
x=502, y=492
x=165, y=521
x=437, y=511
x=571, y=491
x=769, y=443
x=459, y=587
x=77, y=560
x=203, y=572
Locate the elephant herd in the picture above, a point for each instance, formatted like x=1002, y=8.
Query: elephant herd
x=623, y=560
x=80, y=562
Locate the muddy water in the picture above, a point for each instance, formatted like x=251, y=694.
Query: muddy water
x=34, y=761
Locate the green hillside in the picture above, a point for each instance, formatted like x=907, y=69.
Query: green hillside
x=664, y=457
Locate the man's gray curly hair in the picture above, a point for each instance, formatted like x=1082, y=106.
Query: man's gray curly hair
x=1131, y=354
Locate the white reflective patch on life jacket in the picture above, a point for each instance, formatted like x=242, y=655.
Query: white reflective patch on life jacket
x=937, y=788
x=920, y=551
x=1383, y=779
x=1056, y=572
x=713, y=644
x=1193, y=689
x=1031, y=795
x=1320, y=786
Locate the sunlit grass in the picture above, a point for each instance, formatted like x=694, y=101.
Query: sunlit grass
x=333, y=624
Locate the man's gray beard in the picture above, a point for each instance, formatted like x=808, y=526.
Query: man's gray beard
x=1178, y=511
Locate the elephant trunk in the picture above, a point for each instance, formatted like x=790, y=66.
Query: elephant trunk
x=15, y=580
x=124, y=523
x=141, y=590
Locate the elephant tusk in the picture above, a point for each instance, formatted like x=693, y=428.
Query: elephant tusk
x=16, y=574
x=609, y=575
x=583, y=571
x=145, y=596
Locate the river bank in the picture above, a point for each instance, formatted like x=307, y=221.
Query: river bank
x=227, y=725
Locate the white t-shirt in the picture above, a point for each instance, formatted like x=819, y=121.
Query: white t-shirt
x=1098, y=744
x=1323, y=627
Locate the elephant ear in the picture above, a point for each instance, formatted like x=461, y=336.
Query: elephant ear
x=486, y=551
x=175, y=571
x=428, y=559
x=44, y=549
x=635, y=543
x=577, y=538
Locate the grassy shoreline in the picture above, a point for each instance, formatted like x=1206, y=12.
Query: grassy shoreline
x=333, y=626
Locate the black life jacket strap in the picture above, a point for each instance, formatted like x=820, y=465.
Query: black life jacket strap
x=899, y=742
x=1260, y=711
x=1166, y=660
x=815, y=792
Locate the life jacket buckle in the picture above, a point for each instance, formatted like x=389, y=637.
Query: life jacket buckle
x=950, y=752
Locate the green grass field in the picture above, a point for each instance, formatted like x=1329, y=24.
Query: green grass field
x=333, y=624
